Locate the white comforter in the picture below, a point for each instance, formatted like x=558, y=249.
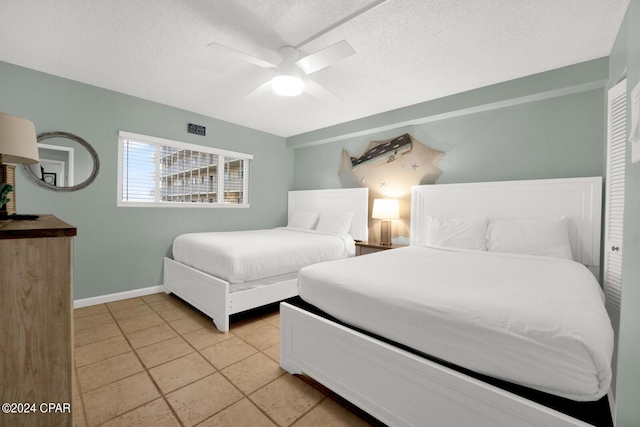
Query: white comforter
x=242, y=256
x=534, y=321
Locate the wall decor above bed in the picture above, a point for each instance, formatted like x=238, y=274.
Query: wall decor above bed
x=389, y=168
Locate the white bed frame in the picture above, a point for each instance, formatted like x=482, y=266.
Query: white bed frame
x=402, y=389
x=218, y=299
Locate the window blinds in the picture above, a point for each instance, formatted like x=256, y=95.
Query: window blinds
x=158, y=172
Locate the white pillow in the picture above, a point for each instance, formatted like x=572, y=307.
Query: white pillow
x=303, y=219
x=544, y=237
x=335, y=222
x=461, y=233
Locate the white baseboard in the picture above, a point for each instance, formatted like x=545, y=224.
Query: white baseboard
x=86, y=302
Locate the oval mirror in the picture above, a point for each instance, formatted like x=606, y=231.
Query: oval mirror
x=67, y=162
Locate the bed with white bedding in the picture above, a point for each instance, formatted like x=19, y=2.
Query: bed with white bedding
x=223, y=273
x=420, y=333
x=244, y=256
x=547, y=314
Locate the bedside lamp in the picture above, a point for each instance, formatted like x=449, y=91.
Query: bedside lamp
x=18, y=144
x=386, y=210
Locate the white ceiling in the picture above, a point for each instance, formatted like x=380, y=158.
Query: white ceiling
x=407, y=51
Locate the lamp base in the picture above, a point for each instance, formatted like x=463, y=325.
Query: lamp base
x=8, y=176
x=385, y=233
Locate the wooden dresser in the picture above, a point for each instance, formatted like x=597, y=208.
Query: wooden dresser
x=36, y=326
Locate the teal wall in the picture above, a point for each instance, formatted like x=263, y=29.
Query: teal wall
x=121, y=249
x=626, y=54
x=562, y=81
x=550, y=125
x=552, y=138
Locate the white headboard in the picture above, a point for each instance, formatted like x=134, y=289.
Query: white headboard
x=354, y=200
x=580, y=199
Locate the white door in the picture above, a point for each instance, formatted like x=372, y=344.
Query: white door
x=614, y=207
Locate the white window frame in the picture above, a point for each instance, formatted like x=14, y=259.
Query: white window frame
x=122, y=136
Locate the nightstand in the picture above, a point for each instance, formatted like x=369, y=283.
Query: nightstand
x=364, y=248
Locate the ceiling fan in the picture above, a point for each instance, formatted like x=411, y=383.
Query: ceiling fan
x=290, y=75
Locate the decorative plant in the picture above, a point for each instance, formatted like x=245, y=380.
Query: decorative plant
x=5, y=189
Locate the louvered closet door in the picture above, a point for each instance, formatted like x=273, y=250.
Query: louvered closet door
x=614, y=208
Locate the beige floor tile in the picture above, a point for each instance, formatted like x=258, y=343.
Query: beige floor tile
x=253, y=372
x=286, y=399
x=90, y=311
x=180, y=372
x=206, y=337
x=125, y=303
x=100, y=350
x=99, y=333
x=117, y=398
x=107, y=371
x=159, y=353
x=169, y=303
x=138, y=323
x=329, y=413
x=240, y=414
x=273, y=352
x=200, y=400
x=156, y=414
x=131, y=312
x=244, y=324
x=261, y=337
x=188, y=324
x=160, y=296
x=228, y=352
x=152, y=335
x=92, y=321
x=172, y=313
x=115, y=388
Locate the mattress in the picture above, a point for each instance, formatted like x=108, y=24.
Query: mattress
x=534, y=321
x=242, y=256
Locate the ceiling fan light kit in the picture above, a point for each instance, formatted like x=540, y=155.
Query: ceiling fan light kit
x=287, y=80
x=290, y=76
x=287, y=84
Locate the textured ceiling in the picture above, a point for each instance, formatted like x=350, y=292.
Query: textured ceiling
x=407, y=51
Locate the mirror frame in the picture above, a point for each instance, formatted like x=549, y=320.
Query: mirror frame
x=85, y=144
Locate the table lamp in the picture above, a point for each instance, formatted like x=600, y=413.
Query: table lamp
x=386, y=210
x=18, y=144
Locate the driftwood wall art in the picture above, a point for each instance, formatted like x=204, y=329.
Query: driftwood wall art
x=389, y=168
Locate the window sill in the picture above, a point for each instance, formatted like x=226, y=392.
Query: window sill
x=181, y=205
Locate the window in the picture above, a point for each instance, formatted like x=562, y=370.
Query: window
x=159, y=172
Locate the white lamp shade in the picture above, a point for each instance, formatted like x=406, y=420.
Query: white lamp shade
x=18, y=141
x=287, y=85
x=386, y=209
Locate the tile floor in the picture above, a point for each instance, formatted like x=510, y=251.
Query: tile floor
x=155, y=361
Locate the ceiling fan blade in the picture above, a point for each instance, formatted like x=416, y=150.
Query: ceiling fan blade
x=243, y=56
x=321, y=92
x=259, y=91
x=325, y=57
